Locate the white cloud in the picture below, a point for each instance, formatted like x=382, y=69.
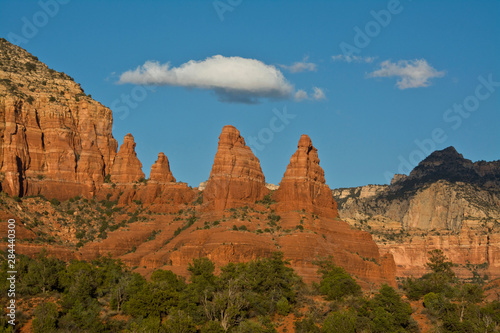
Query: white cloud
x=300, y=95
x=300, y=66
x=316, y=95
x=411, y=73
x=233, y=79
x=352, y=58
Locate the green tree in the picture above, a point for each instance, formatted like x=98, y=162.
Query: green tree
x=82, y=318
x=335, y=282
x=43, y=274
x=396, y=312
x=45, y=318
x=212, y=327
x=180, y=322
x=146, y=325
x=340, y=322
x=442, y=274
x=469, y=294
x=440, y=280
x=306, y=325
x=283, y=306
x=127, y=287
x=226, y=306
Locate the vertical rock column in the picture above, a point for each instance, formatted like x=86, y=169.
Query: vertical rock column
x=126, y=167
x=303, y=184
x=236, y=178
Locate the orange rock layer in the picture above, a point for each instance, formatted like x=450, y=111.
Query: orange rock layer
x=236, y=178
x=303, y=185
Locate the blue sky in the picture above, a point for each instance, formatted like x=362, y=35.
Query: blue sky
x=375, y=96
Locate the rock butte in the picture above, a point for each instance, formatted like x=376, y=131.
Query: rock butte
x=303, y=185
x=160, y=170
x=126, y=167
x=236, y=178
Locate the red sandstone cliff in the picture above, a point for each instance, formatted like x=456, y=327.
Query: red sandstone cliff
x=54, y=140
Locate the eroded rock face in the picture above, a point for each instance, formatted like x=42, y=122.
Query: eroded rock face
x=447, y=203
x=236, y=178
x=126, y=167
x=303, y=184
x=160, y=170
x=54, y=140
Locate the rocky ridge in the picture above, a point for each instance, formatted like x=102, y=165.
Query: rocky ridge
x=447, y=202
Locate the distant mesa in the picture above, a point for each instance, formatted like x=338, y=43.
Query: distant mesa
x=272, y=187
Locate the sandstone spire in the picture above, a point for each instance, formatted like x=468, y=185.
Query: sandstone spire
x=303, y=184
x=236, y=178
x=160, y=171
x=126, y=166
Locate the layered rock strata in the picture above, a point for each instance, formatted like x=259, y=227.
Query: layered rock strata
x=236, y=178
x=126, y=167
x=54, y=139
x=303, y=185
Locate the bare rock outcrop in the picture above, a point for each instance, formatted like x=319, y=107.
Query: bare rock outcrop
x=160, y=170
x=303, y=184
x=54, y=139
x=236, y=178
x=126, y=167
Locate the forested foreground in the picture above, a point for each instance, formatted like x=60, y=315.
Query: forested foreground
x=259, y=296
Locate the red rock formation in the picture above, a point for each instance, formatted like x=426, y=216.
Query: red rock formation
x=160, y=171
x=126, y=166
x=352, y=249
x=236, y=178
x=53, y=149
x=303, y=184
x=54, y=140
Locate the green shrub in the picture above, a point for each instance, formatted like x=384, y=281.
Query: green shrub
x=283, y=307
x=335, y=282
x=45, y=318
x=340, y=322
